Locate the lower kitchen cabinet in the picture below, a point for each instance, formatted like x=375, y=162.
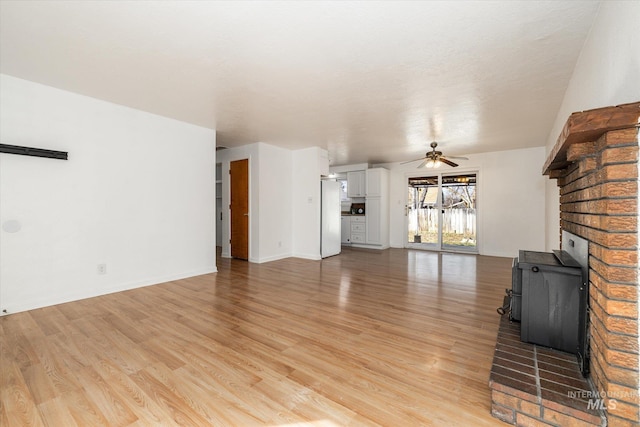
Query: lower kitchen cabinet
x=358, y=229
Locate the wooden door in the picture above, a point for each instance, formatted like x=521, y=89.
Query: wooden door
x=240, y=209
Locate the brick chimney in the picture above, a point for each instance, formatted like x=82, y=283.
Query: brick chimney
x=595, y=162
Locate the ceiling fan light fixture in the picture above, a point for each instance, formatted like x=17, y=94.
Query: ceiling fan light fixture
x=432, y=164
x=434, y=159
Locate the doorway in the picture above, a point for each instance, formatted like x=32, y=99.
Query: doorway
x=441, y=212
x=239, y=207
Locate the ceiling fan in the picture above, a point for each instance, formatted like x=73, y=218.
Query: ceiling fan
x=434, y=159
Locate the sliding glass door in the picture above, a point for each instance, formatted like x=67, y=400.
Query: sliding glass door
x=459, y=212
x=441, y=212
x=423, y=219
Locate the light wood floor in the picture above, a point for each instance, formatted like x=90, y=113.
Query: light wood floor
x=392, y=338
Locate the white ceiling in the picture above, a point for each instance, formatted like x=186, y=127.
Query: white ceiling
x=369, y=81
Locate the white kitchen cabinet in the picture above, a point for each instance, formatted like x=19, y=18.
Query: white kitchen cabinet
x=358, y=238
x=377, y=208
x=345, y=230
x=374, y=180
x=358, y=229
x=356, y=184
x=373, y=221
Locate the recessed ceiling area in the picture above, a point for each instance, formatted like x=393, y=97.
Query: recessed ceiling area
x=369, y=81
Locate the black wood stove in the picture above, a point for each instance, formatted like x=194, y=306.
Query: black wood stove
x=550, y=297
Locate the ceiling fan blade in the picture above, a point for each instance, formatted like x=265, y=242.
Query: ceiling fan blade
x=457, y=158
x=414, y=160
x=448, y=162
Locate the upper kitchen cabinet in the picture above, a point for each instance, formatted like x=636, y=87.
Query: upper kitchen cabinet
x=376, y=179
x=356, y=184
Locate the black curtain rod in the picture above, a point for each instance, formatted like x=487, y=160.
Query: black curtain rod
x=35, y=152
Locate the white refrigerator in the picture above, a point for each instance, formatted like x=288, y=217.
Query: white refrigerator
x=330, y=222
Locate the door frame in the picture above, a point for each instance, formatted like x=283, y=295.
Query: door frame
x=438, y=245
x=226, y=201
x=244, y=197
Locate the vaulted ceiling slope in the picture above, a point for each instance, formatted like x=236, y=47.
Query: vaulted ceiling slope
x=369, y=81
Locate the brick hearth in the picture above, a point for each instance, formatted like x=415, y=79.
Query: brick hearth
x=534, y=385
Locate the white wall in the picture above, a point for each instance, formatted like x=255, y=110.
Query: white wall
x=607, y=73
x=275, y=195
x=137, y=194
x=306, y=201
x=511, y=197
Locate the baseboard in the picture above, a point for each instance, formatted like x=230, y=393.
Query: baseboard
x=76, y=296
x=365, y=246
x=271, y=258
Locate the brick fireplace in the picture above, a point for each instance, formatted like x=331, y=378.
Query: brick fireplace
x=595, y=163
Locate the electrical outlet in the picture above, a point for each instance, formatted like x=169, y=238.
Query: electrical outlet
x=102, y=268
